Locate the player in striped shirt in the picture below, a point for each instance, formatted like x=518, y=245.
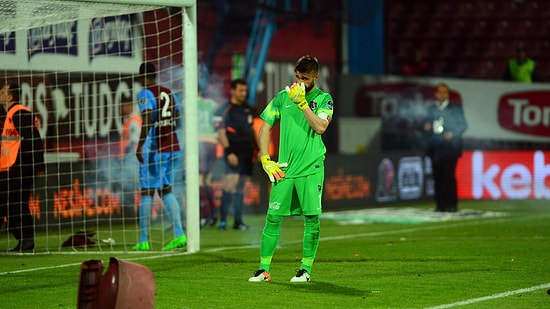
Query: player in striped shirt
x=158, y=112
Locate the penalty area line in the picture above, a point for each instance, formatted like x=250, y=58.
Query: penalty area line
x=491, y=297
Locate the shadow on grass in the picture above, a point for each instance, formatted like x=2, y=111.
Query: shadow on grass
x=322, y=287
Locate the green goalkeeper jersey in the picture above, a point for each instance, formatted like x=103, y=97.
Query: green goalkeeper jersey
x=300, y=146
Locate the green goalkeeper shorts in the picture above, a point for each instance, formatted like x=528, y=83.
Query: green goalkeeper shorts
x=297, y=196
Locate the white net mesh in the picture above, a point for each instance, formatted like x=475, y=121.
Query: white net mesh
x=27, y=14
x=76, y=65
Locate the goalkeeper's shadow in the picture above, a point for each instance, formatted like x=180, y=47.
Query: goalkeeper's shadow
x=322, y=287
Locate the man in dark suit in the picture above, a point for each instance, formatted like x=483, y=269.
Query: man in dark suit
x=444, y=126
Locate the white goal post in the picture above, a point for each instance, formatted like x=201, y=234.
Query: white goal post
x=44, y=12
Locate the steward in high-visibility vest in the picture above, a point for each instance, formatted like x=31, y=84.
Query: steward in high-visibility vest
x=21, y=158
x=11, y=139
x=521, y=72
x=521, y=68
x=130, y=134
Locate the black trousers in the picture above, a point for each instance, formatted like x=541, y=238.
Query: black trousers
x=444, y=167
x=15, y=191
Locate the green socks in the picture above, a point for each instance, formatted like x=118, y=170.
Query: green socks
x=270, y=238
x=272, y=233
x=312, y=227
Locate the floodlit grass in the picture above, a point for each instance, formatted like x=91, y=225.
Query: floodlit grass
x=501, y=262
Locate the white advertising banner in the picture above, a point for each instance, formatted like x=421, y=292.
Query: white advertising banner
x=494, y=110
x=104, y=44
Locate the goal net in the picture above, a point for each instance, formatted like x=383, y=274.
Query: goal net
x=76, y=63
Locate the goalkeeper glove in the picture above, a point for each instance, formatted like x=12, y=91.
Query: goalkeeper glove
x=272, y=168
x=297, y=93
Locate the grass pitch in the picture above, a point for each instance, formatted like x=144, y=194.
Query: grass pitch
x=494, y=255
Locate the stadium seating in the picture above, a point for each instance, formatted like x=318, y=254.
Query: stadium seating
x=469, y=38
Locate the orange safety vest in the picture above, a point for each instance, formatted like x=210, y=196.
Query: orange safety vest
x=125, y=138
x=11, y=139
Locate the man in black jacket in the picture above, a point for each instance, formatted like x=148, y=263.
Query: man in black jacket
x=21, y=158
x=444, y=125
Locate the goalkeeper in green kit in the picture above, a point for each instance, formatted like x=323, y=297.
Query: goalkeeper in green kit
x=304, y=113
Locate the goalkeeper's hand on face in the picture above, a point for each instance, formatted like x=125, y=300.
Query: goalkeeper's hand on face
x=272, y=168
x=297, y=93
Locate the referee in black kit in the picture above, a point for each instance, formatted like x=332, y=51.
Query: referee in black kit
x=233, y=121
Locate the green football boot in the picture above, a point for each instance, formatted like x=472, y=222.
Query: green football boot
x=178, y=242
x=142, y=246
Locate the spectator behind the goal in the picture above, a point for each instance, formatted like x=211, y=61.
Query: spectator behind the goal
x=159, y=158
x=416, y=65
x=21, y=159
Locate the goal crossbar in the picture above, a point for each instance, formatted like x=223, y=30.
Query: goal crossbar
x=176, y=3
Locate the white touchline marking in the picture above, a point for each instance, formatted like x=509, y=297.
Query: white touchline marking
x=327, y=238
x=77, y=264
x=494, y=296
x=37, y=269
